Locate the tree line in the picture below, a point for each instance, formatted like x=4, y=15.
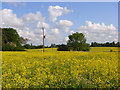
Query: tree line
x=11, y=41
x=107, y=44
x=76, y=42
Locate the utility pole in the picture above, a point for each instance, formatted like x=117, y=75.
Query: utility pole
x=43, y=38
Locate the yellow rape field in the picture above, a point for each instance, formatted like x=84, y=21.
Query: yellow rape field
x=60, y=69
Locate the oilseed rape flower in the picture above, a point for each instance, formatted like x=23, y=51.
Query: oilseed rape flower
x=35, y=69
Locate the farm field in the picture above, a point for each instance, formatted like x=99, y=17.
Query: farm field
x=59, y=69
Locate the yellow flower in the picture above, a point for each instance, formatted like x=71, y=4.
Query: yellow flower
x=35, y=68
x=46, y=86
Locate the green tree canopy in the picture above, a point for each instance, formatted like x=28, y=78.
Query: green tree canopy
x=10, y=35
x=11, y=39
x=77, y=42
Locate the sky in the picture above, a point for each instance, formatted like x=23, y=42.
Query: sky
x=97, y=20
x=60, y=0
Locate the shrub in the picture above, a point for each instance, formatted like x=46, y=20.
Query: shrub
x=27, y=46
x=7, y=47
x=19, y=49
x=63, y=48
x=111, y=50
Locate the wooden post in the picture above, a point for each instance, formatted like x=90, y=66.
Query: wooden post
x=43, y=38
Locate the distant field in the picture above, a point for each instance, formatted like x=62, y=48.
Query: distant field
x=59, y=69
x=96, y=49
x=105, y=49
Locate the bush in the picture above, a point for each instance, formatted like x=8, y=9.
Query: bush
x=111, y=50
x=7, y=47
x=63, y=48
x=27, y=46
x=19, y=49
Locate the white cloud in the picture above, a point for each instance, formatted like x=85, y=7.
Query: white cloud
x=66, y=39
x=55, y=11
x=9, y=19
x=31, y=17
x=55, y=31
x=64, y=25
x=29, y=26
x=26, y=33
x=54, y=38
x=96, y=32
x=38, y=21
x=43, y=24
x=71, y=32
x=23, y=25
x=33, y=36
x=66, y=29
x=29, y=30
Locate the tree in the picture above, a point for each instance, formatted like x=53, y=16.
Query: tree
x=85, y=47
x=113, y=43
x=23, y=40
x=118, y=44
x=107, y=44
x=77, y=42
x=10, y=35
x=11, y=41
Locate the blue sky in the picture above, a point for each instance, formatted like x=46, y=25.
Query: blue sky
x=98, y=12
x=94, y=12
x=60, y=1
